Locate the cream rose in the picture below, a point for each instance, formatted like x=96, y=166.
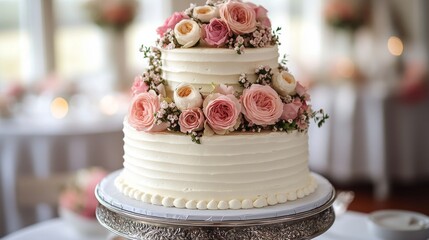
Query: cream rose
x=205, y=13
x=187, y=96
x=284, y=84
x=187, y=33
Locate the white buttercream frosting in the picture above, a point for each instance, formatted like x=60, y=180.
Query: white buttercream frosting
x=239, y=170
x=202, y=67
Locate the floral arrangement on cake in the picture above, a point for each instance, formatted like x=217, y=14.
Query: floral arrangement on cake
x=78, y=195
x=114, y=14
x=274, y=102
x=228, y=24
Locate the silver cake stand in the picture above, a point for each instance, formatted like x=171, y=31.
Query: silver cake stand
x=131, y=219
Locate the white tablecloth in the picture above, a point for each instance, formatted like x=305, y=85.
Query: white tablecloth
x=42, y=150
x=350, y=226
x=55, y=229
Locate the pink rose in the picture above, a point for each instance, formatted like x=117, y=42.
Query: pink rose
x=222, y=112
x=261, y=14
x=240, y=17
x=302, y=91
x=139, y=86
x=261, y=105
x=171, y=22
x=305, y=107
x=216, y=32
x=141, y=114
x=290, y=110
x=191, y=120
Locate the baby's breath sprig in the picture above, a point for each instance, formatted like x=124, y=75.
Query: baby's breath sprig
x=239, y=45
x=319, y=117
x=283, y=64
x=264, y=75
x=285, y=126
x=260, y=38
x=152, y=76
x=196, y=136
x=168, y=41
x=190, y=11
x=145, y=50
x=243, y=81
x=153, y=80
x=286, y=99
x=236, y=43
x=215, y=2
x=275, y=40
x=168, y=113
x=248, y=127
x=153, y=54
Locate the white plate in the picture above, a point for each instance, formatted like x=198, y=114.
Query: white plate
x=399, y=224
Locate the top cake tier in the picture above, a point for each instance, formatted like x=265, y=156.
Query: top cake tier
x=215, y=70
x=204, y=67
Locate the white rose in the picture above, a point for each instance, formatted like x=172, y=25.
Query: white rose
x=187, y=33
x=284, y=84
x=206, y=13
x=187, y=96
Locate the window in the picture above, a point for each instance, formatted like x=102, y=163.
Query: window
x=66, y=42
x=13, y=41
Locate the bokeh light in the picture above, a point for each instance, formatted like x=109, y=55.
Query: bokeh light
x=59, y=108
x=395, y=46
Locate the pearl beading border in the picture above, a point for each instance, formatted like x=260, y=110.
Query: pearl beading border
x=257, y=202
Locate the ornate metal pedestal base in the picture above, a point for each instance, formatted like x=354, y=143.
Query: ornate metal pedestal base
x=307, y=227
x=131, y=219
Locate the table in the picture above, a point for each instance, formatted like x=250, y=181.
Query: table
x=36, y=156
x=53, y=229
x=351, y=225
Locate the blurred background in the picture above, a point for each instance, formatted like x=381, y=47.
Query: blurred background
x=66, y=67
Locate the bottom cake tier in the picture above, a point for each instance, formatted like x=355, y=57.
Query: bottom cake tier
x=235, y=171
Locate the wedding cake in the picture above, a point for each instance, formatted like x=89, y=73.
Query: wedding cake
x=216, y=122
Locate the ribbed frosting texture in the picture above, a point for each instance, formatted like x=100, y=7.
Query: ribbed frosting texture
x=240, y=170
x=204, y=66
